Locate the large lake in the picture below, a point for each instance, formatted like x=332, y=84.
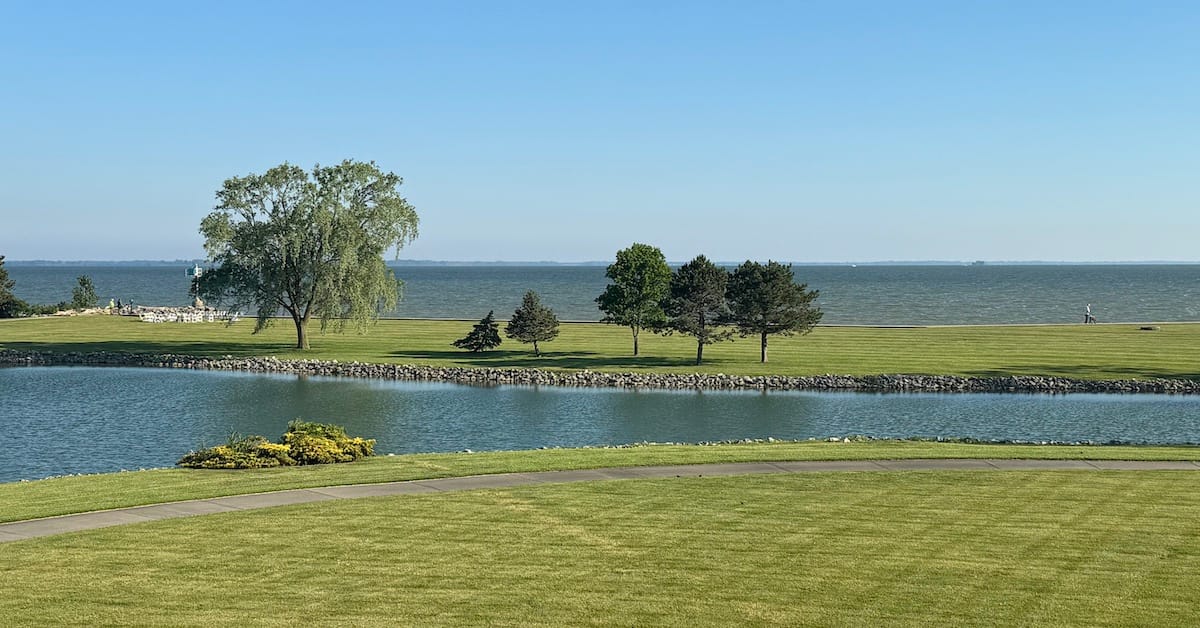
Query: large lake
x=60, y=420
x=872, y=295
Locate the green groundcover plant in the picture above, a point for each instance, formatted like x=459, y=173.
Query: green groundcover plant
x=303, y=443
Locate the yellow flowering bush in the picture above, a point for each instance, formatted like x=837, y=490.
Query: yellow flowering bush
x=303, y=443
x=319, y=443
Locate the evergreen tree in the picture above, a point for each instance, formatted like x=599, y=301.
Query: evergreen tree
x=83, y=296
x=765, y=300
x=10, y=305
x=532, y=322
x=697, y=306
x=485, y=335
x=641, y=281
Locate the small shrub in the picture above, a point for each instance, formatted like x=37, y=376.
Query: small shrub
x=276, y=451
x=322, y=430
x=359, y=447
x=35, y=309
x=224, y=457
x=312, y=449
x=304, y=443
x=320, y=443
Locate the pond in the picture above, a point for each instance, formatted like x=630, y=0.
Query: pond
x=60, y=420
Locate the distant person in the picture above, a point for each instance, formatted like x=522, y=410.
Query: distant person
x=1087, y=315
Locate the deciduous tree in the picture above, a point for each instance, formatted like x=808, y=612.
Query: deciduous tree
x=483, y=336
x=765, y=300
x=641, y=280
x=532, y=322
x=308, y=243
x=696, y=306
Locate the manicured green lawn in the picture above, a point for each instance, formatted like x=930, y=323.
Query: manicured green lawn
x=58, y=496
x=913, y=548
x=908, y=549
x=1092, y=351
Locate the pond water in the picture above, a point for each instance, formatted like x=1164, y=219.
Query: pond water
x=59, y=420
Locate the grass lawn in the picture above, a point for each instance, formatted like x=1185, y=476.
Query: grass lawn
x=913, y=548
x=58, y=496
x=1093, y=351
x=916, y=548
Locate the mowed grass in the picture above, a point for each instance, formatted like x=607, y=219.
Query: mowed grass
x=65, y=495
x=905, y=549
x=1093, y=351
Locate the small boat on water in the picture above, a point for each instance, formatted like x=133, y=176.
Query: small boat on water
x=195, y=271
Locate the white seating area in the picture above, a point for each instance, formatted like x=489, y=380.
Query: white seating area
x=185, y=315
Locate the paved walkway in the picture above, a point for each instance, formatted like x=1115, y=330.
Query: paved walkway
x=33, y=528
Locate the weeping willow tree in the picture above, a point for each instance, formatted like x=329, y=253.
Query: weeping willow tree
x=310, y=244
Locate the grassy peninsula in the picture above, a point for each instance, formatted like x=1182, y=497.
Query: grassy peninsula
x=1117, y=351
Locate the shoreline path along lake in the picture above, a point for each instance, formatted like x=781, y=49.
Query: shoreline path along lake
x=93, y=419
x=862, y=295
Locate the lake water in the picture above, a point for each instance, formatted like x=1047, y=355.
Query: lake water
x=870, y=295
x=59, y=420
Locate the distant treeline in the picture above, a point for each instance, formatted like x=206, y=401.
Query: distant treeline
x=83, y=296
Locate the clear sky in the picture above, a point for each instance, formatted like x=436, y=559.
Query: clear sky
x=801, y=131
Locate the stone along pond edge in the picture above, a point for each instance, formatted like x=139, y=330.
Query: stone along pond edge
x=596, y=379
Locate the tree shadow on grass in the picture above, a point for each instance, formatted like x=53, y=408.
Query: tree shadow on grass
x=180, y=347
x=488, y=359
x=548, y=359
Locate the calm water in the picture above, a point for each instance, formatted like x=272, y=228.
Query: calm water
x=60, y=420
x=881, y=295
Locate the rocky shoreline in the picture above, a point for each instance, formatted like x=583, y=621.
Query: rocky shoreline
x=595, y=379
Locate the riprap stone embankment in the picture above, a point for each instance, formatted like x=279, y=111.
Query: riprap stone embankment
x=677, y=381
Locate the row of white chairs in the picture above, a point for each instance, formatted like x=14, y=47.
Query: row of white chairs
x=186, y=316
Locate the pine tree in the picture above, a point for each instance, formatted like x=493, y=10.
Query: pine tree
x=485, y=335
x=766, y=300
x=10, y=305
x=83, y=296
x=532, y=322
x=697, y=306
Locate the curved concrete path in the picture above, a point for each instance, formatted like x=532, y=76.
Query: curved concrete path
x=33, y=528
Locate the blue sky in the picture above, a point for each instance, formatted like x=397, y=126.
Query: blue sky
x=802, y=131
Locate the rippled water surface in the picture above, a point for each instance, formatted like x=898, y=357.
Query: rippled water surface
x=59, y=420
x=876, y=295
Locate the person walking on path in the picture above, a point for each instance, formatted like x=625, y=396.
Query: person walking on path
x=1087, y=315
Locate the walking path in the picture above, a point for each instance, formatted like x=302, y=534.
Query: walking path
x=33, y=528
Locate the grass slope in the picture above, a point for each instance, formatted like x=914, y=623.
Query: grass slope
x=1093, y=351
x=58, y=496
x=927, y=549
